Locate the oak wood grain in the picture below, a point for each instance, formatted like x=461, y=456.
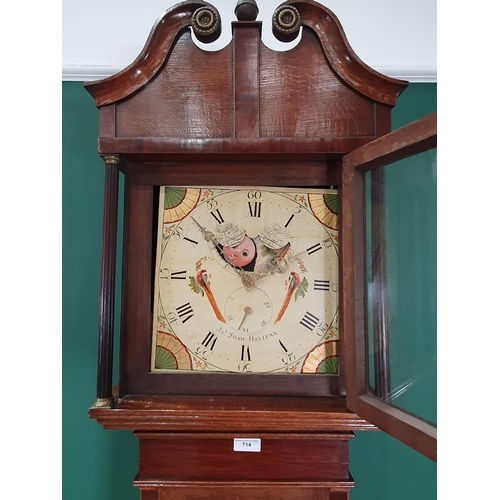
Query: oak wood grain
x=246, y=39
x=291, y=81
x=196, y=98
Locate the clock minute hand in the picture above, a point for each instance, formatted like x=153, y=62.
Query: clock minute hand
x=207, y=235
x=202, y=280
x=294, y=281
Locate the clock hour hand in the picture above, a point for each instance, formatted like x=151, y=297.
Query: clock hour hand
x=279, y=264
x=294, y=281
x=202, y=280
x=299, y=255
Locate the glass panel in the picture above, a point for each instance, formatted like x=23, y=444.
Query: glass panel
x=400, y=232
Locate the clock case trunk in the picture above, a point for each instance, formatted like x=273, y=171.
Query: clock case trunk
x=241, y=116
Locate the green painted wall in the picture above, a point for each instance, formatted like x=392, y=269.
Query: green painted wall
x=101, y=465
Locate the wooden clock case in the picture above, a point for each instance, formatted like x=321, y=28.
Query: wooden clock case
x=244, y=115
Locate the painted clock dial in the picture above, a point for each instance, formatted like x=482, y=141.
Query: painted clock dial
x=246, y=281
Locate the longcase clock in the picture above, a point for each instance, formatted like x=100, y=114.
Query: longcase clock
x=256, y=260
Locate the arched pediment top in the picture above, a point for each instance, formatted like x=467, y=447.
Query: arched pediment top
x=174, y=22
x=167, y=29
x=342, y=58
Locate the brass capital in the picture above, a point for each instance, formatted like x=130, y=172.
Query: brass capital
x=113, y=159
x=103, y=402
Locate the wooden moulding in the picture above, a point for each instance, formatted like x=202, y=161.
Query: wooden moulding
x=316, y=100
x=244, y=490
x=175, y=21
x=230, y=414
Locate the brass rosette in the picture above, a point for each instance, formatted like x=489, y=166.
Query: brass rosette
x=286, y=23
x=206, y=24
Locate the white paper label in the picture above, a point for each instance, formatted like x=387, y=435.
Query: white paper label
x=242, y=444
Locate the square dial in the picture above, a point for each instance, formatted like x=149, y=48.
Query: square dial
x=246, y=281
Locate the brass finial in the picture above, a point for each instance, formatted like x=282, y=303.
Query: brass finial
x=246, y=10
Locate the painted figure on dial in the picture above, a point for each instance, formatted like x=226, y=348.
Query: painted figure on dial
x=263, y=253
x=235, y=246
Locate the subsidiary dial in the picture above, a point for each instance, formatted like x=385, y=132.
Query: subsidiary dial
x=248, y=311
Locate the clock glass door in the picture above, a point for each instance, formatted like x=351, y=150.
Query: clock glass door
x=400, y=239
x=391, y=331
